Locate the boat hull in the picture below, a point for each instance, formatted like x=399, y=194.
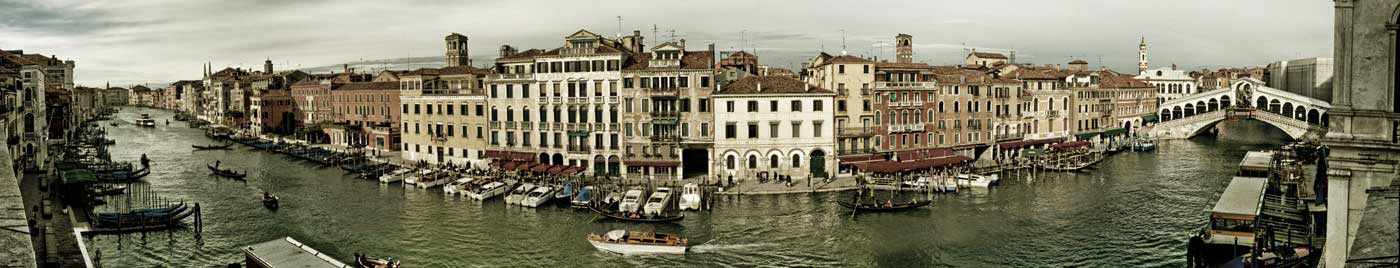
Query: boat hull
x=632, y=249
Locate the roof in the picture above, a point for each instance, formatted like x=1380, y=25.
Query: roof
x=847, y=59
x=691, y=60
x=457, y=70
x=988, y=55
x=900, y=65
x=770, y=85
x=1243, y=196
x=525, y=55
x=1078, y=62
x=288, y=252
x=1257, y=160
x=1113, y=80
x=370, y=86
x=1028, y=73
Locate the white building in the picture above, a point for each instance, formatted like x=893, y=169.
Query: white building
x=1311, y=77
x=774, y=126
x=1170, y=82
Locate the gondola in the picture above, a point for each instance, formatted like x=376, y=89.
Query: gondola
x=271, y=201
x=623, y=217
x=880, y=207
x=211, y=147
x=363, y=261
x=227, y=173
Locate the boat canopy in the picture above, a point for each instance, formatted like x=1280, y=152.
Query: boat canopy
x=900, y=166
x=1028, y=143
x=288, y=252
x=1244, y=196
x=617, y=234
x=1256, y=161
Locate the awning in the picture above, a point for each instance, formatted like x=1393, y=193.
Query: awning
x=901, y=166
x=918, y=154
x=541, y=167
x=510, y=165
x=1069, y=145
x=848, y=159
x=78, y=176
x=572, y=170
x=507, y=155
x=1085, y=136
x=556, y=169
x=1115, y=132
x=652, y=163
x=523, y=166
x=1149, y=118
x=1028, y=143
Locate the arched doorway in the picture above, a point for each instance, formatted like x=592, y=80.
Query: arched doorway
x=614, y=166
x=1225, y=101
x=558, y=160
x=1166, y=115
x=1262, y=104
x=600, y=167
x=1287, y=109
x=1275, y=106
x=1176, y=112
x=818, y=166
x=544, y=158
x=1190, y=110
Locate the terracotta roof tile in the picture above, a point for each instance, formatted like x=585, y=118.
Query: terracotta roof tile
x=770, y=85
x=989, y=55
x=691, y=60
x=370, y=86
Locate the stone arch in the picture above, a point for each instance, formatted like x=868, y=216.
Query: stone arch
x=1166, y=115
x=600, y=165
x=1176, y=112
x=796, y=155
x=1300, y=113
x=1190, y=110
x=1261, y=103
x=1312, y=116
x=751, y=159
x=1225, y=102
x=544, y=158
x=1212, y=105
x=1201, y=107
x=1275, y=106
x=1323, y=121
x=614, y=164
x=1287, y=109
x=817, y=168
x=558, y=159
x=510, y=114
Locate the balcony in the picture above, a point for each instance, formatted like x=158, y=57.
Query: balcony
x=664, y=92
x=904, y=85
x=558, y=99
x=855, y=151
x=1009, y=137
x=612, y=127
x=907, y=103
x=665, y=139
x=527, y=126
x=510, y=125
x=1054, y=114
x=576, y=149
x=439, y=139
x=855, y=132
x=511, y=76
x=558, y=126
x=544, y=100
x=544, y=126
x=842, y=92
x=599, y=126
x=495, y=125
x=655, y=114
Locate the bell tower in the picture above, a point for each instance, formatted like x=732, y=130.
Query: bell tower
x=904, y=48
x=1142, y=55
x=457, y=50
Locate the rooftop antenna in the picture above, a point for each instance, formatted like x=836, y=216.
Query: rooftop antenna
x=673, y=35
x=653, y=32
x=843, y=42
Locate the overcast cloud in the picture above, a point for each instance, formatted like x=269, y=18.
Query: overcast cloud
x=160, y=41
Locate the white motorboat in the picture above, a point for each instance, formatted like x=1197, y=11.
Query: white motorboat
x=690, y=197
x=658, y=201
x=538, y=196
x=488, y=190
x=430, y=181
x=146, y=121
x=457, y=186
x=584, y=197
x=974, y=180
x=631, y=201
x=397, y=175
x=519, y=193
x=413, y=179
x=629, y=243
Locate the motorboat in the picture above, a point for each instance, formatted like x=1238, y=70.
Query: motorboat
x=413, y=178
x=146, y=121
x=488, y=190
x=538, y=196
x=454, y=187
x=431, y=180
x=1144, y=146
x=271, y=201
x=658, y=201
x=519, y=193
x=397, y=175
x=690, y=197
x=631, y=242
x=631, y=201
x=583, y=197
x=363, y=261
x=566, y=192
x=974, y=180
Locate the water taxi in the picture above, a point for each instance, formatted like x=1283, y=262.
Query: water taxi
x=631, y=242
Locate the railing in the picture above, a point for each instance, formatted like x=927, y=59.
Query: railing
x=667, y=138
x=558, y=99
x=439, y=139
x=544, y=100
x=841, y=92
x=598, y=99
x=510, y=125
x=579, y=149
x=613, y=127
x=665, y=114
x=599, y=126
x=663, y=92
x=544, y=126
x=495, y=125
x=527, y=126
x=904, y=84
x=511, y=76
x=855, y=151
x=1007, y=137
x=855, y=131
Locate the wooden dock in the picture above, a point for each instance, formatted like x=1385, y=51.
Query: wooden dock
x=287, y=252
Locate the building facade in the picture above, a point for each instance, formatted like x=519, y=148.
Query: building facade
x=772, y=126
x=667, y=120
x=1311, y=77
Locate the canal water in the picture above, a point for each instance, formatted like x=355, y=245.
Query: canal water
x=1132, y=210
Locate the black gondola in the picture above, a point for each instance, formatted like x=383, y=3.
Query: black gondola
x=639, y=217
x=885, y=207
x=212, y=147
x=227, y=173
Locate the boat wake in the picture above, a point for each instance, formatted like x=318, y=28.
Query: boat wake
x=711, y=247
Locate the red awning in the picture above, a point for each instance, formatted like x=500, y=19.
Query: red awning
x=850, y=159
x=541, y=167
x=508, y=155
x=510, y=165
x=556, y=169
x=901, y=166
x=652, y=163
x=523, y=166
x=572, y=170
x=1020, y=144
x=1069, y=145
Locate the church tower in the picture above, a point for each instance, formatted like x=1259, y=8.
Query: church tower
x=1142, y=55
x=904, y=48
x=457, y=50
x=267, y=66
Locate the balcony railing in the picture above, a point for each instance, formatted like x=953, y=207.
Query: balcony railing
x=579, y=149
x=663, y=92
x=904, y=84
x=495, y=125
x=527, y=126
x=544, y=126
x=510, y=125
x=855, y=131
x=1008, y=137
x=667, y=138
x=665, y=114
x=511, y=76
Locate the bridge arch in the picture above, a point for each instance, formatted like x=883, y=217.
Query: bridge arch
x=1262, y=103
x=1212, y=105
x=1166, y=115
x=1190, y=110
x=1225, y=101
x=1201, y=107
x=1313, y=116
x=1287, y=109
x=1176, y=112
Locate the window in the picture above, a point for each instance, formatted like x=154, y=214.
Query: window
x=867, y=68
x=685, y=105
x=627, y=129
x=524, y=91
x=627, y=104
x=730, y=131
x=773, y=129
x=449, y=109
x=479, y=109
x=704, y=129
x=510, y=91
x=704, y=81
x=753, y=106
x=753, y=162
x=840, y=69
x=405, y=108
x=817, y=129
x=796, y=161
x=729, y=106
x=817, y=105
x=772, y=106
x=704, y=105
x=478, y=132
x=841, y=105
x=753, y=130
x=797, y=106
x=773, y=161
x=796, y=129
x=729, y=162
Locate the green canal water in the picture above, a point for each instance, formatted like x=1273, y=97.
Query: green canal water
x=1132, y=210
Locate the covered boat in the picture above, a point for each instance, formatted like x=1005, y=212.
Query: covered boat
x=629, y=243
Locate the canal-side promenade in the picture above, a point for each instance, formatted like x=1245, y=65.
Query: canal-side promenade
x=14, y=226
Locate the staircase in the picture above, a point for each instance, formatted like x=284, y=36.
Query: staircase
x=1289, y=219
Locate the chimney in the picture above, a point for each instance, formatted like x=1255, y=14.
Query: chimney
x=806, y=87
x=682, y=44
x=345, y=68
x=760, y=85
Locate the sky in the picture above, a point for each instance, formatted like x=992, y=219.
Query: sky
x=128, y=42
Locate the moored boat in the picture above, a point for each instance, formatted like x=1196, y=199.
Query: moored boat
x=690, y=197
x=227, y=173
x=631, y=201
x=365, y=261
x=537, y=197
x=454, y=187
x=583, y=197
x=519, y=193
x=884, y=207
x=629, y=242
x=656, y=204
x=566, y=192
x=488, y=190
x=397, y=175
x=974, y=180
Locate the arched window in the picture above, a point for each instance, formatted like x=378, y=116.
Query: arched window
x=753, y=162
x=729, y=163
x=796, y=161
x=773, y=161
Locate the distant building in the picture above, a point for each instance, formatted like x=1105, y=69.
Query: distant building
x=1311, y=77
x=985, y=59
x=1170, y=82
x=772, y=126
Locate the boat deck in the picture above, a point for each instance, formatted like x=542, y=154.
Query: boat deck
x=288, y=252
